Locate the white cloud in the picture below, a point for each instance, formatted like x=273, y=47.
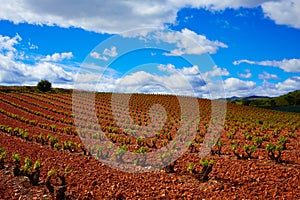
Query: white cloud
x=112, y=52
x=174, y=83
x=58, y=56
x=32, y=46
x=97, y=55
x=167, y=68
x=219, y=5
x=94, y=15
x=118, y=16
x=280, y=88
x=189, y=42
x=184, y=81
x=194, y=70
x=283, y=12
x=266, y=89
x=7, y=43
x=289, y=84
x=287, y=65
x=216, y=71
x=235, y=84
x=266, y=75
x=248, y=74
x=15, y=71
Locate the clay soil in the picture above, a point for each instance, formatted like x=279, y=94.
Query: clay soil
x=257, y=177
x=230, y=178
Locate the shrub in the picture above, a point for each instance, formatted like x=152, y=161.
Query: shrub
x=59, y=186
x=166, y=159
x=53, y=140
x=207, y=165
x=120, y=152
x=274, y=151
x=152, y=143
x=44, y=86
x=36, y=174
x=234, y=148
x=26, y=135
x=258, y=141
x=56, y=146
x=282, y=141
x=32, y=172
x=248, y=136
x=231, y=135
x=249, y=150
x=99, y=152
x=291, y=135
x=191, y=168
x=3, y=156
x=219, y=147
x=192, y=146
x=27, y=166
x=17, y=162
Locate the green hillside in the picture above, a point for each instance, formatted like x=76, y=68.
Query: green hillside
x=289, y=102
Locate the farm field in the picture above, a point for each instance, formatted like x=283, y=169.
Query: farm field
x=256, y=157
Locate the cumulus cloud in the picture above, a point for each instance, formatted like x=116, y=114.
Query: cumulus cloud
x=249, y=88
x=287, y=65
x=229, y=87
x=248, y=74
x=219, y=5
x=7, y=44
x=112, y=52
x=105, y=16
x=32, y=46
x=179, y=81
x=216, y=71
x=283, y=12
x=167, y=68
x=235, y=84
x=15, y=71
x=143, y=81
x=266, y=75
x=289, y=84
x=189, y=42
x=94, y=15
x=58, y=56
x=280, y=88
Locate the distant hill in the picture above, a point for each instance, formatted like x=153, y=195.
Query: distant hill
x=245, y=98
x=287, y=102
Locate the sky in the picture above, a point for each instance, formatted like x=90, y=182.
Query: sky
x=205, y=48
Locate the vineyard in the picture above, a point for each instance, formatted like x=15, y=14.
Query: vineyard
x=44, y=152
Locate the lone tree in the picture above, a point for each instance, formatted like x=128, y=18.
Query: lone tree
x=44, y=85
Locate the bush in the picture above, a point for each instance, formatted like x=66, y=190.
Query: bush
x=56, y=183
x=17, y=162
x=282, y=141
x=3, y=156
x=207, y=168
x=274, y=151
x=249, y=150
x=258, y=141
x=32, y=171
x=44, y=86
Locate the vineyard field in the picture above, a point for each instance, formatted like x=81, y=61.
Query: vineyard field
x=257, y=155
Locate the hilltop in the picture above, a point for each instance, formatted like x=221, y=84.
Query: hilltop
x=288, y=102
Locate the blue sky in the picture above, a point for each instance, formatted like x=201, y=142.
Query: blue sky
x=207, y=48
